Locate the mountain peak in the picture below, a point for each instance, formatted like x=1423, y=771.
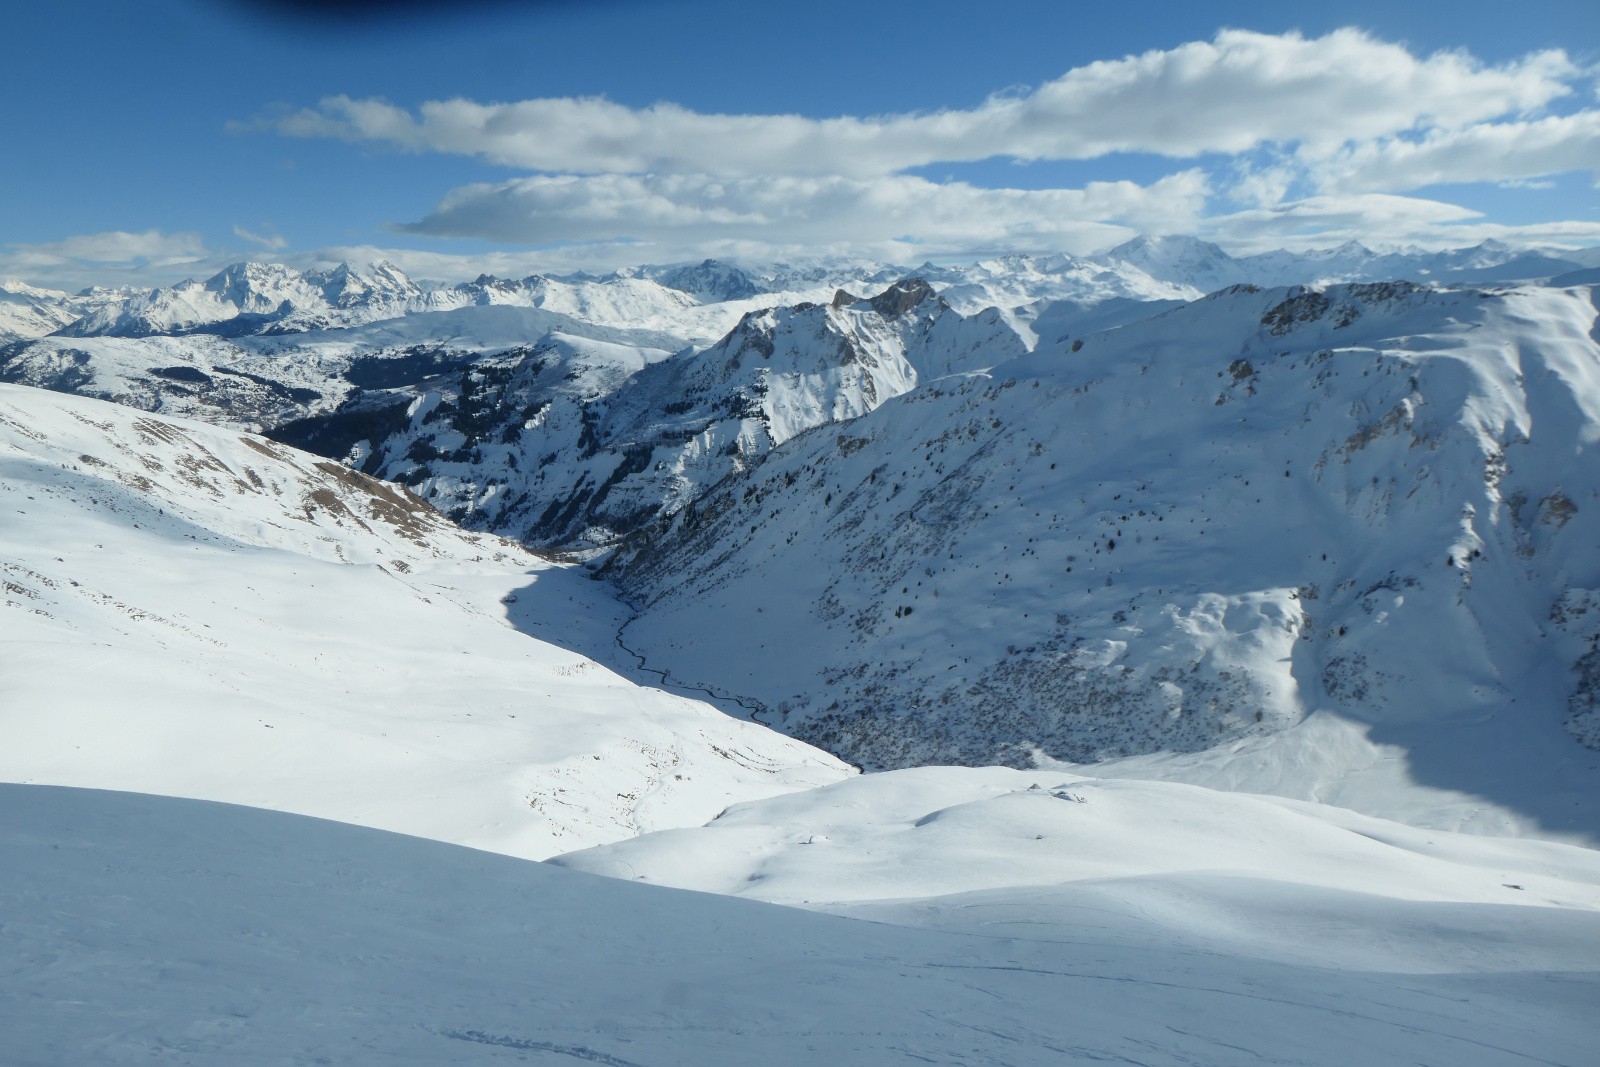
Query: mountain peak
x=709, y=281
x=902, y=296
x=1178, y=258
x=1166, y=246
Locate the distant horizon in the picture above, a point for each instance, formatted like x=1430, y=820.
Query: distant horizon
x=366, y=259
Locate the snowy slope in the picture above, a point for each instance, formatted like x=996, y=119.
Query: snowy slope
x=144, y=929
x=195, y=376
x=1347, y=535
x=1037, y=855
x=1056, y=323
x=927, y=833
x=192, y=612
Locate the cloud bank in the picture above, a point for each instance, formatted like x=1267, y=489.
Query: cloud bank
x=1228, y=95
x=795, y=210
x=1266, y=139
x=91, y=258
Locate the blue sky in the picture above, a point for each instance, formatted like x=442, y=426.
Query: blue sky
x=148, y=141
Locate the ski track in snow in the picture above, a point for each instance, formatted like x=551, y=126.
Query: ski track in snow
x=577, y=1052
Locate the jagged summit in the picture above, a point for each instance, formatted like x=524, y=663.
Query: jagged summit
x=711, y=281
x=903, y=296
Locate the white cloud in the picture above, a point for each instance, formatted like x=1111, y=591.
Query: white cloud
x=115, y=255
x=1350, y=118
x=901, y=211
x=114, y=247
x=1487, y=152
x=1240, y=90
x=1263, y=186
x=1381, y=219
x=272, y=242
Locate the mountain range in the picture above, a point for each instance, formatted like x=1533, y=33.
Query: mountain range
x=1221, y=636
x=192, y=615
x=827, y=469
x=271, y=298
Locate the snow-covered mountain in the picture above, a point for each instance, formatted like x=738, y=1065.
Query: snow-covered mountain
x=190, y=612
x=694, y=302
x=251, y=298
x=1242, y=520
x=1188, y=261
x=193, y=612
x=259, y=345
x=699, y=302
x=1014, y=282
x=256, y=382
x=1178, y=260
x=27, y=311
x=571, y=442
x=282, y=327
x=1157, y=552
x=803, y=496
x=710, y=281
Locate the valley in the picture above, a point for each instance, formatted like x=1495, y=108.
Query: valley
x=1216, y=661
